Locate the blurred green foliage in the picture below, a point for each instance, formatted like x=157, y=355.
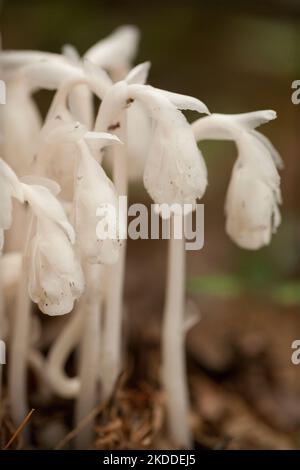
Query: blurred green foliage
x=229, y=286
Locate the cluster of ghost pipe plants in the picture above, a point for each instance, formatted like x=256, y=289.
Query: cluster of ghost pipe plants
x=52, y=186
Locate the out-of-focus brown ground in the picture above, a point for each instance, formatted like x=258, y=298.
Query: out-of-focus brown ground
x=245, y=391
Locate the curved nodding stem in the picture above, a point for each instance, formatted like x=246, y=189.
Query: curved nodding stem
x=60, y=383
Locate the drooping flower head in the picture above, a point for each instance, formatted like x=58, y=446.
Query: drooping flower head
x=95, y=197
x=253, y=196
x=175, y=171
x=93, y=192
x=55, y=278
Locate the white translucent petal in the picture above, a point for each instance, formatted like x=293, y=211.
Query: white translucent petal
x=55, y=276
x=254, y=150
x=250, y=210
x=215, y=127
x=93, y=190
x=254, y=154
x=270, y=147
x=139, y=74
x=185, y=102
x=20, y=123
x=175, y=171
x=45, y=205
x=139, y=127
x=105, y=137
x=56, y=247
x=228, y=126
x=254, y=119
x=59, y=131
x=113, y=103
x=98, y=140
x=57, y=154
x=10, y=178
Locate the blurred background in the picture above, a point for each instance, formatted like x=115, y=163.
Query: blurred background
x=236, y=57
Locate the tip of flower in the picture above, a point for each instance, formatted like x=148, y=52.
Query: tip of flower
x=270, y=114
x=91, y=135
x=128, y=29
x=205, y=110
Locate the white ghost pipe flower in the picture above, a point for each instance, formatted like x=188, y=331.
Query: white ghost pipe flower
x=95, y=196
x=253, y=196
x=55, y=276
x=93, y=192
x=175, y=173
x=55, y=281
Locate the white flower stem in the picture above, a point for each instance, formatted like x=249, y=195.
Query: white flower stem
x=65, y=342
x=17, y=365
x=89, y=355
x=111, y=351
x=174, y=377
